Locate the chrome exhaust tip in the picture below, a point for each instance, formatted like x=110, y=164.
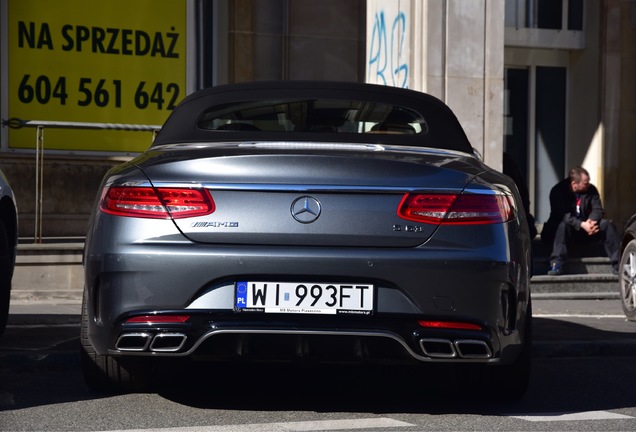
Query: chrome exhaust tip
x=168, y=342
x=133, y=342
x=438, y=348
x=473, y=349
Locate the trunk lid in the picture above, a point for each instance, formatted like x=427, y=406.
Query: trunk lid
x=317, y=198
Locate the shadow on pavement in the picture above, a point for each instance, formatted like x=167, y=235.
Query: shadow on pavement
x=566, y=379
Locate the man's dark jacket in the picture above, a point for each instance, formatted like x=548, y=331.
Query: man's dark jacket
x=563, y=208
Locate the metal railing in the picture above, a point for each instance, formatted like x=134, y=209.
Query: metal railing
x=40, y=125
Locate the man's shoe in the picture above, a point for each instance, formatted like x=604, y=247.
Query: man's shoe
x=555, y=269
x=615, y=271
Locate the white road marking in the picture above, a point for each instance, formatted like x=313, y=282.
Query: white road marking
x=581, y=416
x=565, y=315
x=320, y=425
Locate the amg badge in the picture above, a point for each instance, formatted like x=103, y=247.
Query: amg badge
x=215, y=224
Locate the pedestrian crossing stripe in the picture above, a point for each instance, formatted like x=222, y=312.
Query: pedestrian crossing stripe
x=300, y=426
x=368, y=424
x=572, y=416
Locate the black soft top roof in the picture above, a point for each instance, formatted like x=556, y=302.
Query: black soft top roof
x=240, y=108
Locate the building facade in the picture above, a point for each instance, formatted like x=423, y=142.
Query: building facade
x=549, y=82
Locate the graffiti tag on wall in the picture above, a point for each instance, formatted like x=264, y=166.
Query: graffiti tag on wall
x=388, y=52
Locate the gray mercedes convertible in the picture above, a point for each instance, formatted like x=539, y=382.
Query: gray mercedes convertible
x=308, y=221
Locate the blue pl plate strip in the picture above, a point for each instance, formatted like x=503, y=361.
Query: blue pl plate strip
x=241, y=295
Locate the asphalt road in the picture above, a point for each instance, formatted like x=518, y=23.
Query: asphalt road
x=582, y=380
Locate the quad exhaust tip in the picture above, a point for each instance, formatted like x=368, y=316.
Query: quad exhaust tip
x=142, y=341
x=473, y=349
x=462, y=348
x=133, y=342
x=168, y=342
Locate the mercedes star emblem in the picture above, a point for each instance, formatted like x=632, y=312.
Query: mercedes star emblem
x=305, y=209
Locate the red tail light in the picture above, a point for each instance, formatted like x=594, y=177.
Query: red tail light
x=157, y=203
x=450, y=325
x=456, y=209
x=158, y=319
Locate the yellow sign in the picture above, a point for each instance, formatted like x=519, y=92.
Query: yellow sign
x=119, y=61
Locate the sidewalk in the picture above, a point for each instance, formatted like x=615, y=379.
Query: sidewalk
x=575, y=327
x=44, y=313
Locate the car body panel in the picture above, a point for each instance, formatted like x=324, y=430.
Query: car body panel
x=629, y=231
x=9, y=210
x=627, y=269
x=8, y=246
x=345, y=186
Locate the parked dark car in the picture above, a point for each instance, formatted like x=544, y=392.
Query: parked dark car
x=8, y=243
x=285, y=221
x=627, y=269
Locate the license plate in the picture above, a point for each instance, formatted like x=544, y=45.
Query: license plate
x=304, y=298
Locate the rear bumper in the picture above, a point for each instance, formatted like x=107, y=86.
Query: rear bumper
x=468, y=285
x=295, y=340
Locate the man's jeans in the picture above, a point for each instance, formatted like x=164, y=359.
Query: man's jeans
x=566, y=235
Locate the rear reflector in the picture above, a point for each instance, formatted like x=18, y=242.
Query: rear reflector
x=450, y=325
x=157, y=203
x=456, y=209
x=158, y=319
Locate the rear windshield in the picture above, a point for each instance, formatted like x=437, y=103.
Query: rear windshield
x=315, y=116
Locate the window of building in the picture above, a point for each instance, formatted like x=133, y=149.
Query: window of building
x=545, y=14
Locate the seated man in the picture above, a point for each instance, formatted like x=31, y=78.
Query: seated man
x=576, y=214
